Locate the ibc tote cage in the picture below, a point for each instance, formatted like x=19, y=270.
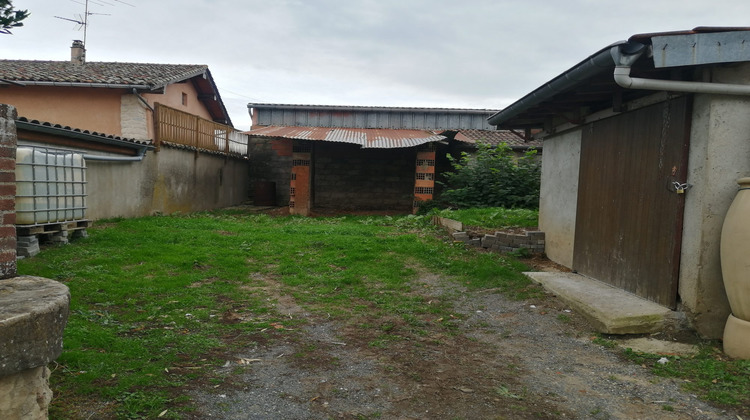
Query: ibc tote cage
x=50, y=185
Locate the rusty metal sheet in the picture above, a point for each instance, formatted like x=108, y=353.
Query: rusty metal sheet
x=364, y=137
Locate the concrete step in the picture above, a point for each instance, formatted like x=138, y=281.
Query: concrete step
x=609, y=309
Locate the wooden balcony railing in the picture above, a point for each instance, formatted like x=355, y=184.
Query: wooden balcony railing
x=179, y=127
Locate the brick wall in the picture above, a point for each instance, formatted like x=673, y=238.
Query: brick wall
x=349, y=177
x=8, y=141
x=271, y=160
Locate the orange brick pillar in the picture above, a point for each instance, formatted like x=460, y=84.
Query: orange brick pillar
x=424, y=180
x=300, y=185
x=8, y=142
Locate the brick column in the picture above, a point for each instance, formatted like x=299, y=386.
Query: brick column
x=8, y=142
x=424, y=180
x=300, y=185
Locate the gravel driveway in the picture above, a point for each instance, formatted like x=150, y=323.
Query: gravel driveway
x=504, y=359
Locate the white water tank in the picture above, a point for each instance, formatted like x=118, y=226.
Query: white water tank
x=50, y=185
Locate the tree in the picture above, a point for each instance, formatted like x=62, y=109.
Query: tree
x=493, y=177
x=10, y=18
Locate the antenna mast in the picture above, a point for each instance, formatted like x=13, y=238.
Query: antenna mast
x=83, y=21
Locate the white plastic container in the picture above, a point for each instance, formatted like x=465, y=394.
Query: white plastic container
x=50, y=186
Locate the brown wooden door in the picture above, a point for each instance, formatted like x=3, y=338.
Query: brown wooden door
x=629, y=221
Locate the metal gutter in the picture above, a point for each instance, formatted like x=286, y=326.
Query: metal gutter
x=595, y=64
x=143, y=100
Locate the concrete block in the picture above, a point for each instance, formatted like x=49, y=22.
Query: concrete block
x=536, y=235
x=59, y=237
x=609, y=309
x=27, y=250
x=475, y=242
x=27, y=240
x=80, y=233
x=461, y=236
x=488, y=241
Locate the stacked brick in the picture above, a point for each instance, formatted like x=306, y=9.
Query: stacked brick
x=8, y=142
x=300, y=183
x=533, y=241
x=424, y=183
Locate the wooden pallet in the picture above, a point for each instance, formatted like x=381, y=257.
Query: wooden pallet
x=29, y=230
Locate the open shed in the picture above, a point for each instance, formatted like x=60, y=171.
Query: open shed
x=360, y=158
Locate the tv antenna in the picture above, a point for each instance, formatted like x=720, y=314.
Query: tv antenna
x=83, y=20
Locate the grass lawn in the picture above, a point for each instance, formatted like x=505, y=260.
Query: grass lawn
x=153, y=299
x=156, y=301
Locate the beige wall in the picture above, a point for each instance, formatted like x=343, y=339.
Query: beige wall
x=559, y=195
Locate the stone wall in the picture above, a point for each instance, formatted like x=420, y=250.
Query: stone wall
x=349, y=177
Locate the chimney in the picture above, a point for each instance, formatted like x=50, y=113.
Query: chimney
x=77, y=52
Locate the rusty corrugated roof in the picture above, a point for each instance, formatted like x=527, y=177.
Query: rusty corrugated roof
x=495, y=137
x=365, y=137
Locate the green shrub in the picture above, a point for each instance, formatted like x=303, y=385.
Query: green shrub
x=493, y=177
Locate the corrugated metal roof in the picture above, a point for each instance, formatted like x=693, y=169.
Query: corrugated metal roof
x=398, y=118
x=364, y=137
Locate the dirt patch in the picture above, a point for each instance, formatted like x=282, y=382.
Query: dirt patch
x=491, y=358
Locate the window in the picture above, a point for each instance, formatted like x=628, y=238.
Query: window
x=184, y=98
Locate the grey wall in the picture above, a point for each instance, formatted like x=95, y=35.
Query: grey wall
x=559, y=195
x=171, y=180
x=719, y=155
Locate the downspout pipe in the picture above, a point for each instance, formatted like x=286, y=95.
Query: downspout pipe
x=627, y=54
x=143, y=100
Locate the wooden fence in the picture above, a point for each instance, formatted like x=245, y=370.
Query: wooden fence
x=175, y=126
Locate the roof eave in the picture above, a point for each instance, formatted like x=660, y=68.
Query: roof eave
x=81, y=135
x=595, y=64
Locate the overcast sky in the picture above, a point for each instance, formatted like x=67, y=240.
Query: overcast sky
x=416, y=53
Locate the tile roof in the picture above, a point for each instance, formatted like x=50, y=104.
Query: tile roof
x=365, y=137
x=142, y=75
x=36, y=125
x=495, y=137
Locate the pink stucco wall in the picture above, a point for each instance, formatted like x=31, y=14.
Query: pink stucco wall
x=93, y=109
x=173, y=98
